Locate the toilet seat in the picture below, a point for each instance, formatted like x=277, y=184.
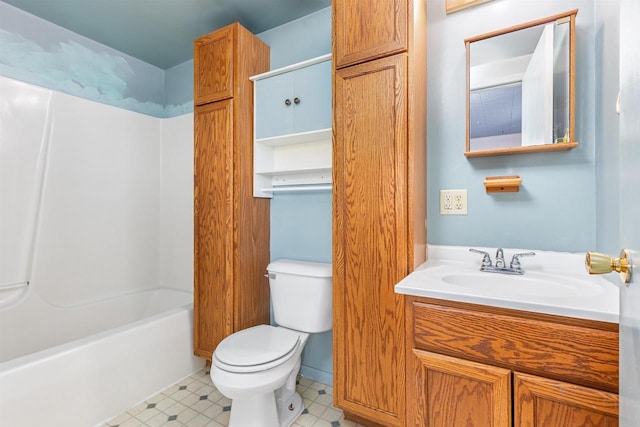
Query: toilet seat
x=256, y=349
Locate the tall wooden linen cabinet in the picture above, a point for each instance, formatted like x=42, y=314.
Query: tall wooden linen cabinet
x=379, y=197
x=231, y=227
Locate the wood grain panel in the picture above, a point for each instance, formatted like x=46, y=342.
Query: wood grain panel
x=544, y=345
x=213, y=65
x=452, y=392
x=368, y=29
x=370, y=238
x=542, y=402
x=213, y=225
x=417, y=133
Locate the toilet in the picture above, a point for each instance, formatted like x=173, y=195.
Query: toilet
x=257, y=367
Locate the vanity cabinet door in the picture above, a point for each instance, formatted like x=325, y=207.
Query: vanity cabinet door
x=295, y=101
x=543, y=402
x=369, y=29
x=451, y=392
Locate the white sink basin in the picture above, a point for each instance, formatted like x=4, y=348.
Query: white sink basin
x=532, y=284
x=553, y=282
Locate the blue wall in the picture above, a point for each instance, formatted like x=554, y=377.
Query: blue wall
x=301, y=39
x=556, y=206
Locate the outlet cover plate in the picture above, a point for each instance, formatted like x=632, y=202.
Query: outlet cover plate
x=453, y=202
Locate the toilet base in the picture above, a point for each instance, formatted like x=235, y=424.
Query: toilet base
x=243, y=411
x=289, y=409
x=263, y=398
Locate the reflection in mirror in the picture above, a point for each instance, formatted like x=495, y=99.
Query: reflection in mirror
x=520, y=88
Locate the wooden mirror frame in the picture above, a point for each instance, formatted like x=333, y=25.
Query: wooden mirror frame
x=561, y=146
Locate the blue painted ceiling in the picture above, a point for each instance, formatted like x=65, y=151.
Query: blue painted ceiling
x=161, y=32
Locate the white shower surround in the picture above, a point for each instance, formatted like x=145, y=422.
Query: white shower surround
x=112, y=218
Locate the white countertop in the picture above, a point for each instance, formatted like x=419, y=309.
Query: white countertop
x=553, y=283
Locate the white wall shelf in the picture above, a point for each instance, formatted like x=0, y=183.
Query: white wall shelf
x=296, y=138
x=293, y=141
x=298, y=189
x=296, y=159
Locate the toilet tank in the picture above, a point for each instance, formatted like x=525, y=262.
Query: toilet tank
x=301, y=294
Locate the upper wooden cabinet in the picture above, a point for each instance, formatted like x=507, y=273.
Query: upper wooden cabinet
x=369, y=29
x=213, y=60
x=231, y=228
x=379, y=198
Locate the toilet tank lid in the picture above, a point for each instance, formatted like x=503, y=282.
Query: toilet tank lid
x=300, y=268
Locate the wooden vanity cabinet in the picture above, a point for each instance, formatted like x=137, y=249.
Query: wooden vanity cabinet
x=543, y=402
x=231, y=228
x=379, y=198
x=468, y=365
x=452, y=392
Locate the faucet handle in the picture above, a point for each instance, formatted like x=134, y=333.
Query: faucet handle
x=515, y=260
x=499, y=258
x=486, y=259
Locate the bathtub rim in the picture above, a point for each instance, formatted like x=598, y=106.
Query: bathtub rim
x=23, y=362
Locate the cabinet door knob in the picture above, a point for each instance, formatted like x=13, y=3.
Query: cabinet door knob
x=296, y=100
x=287, y=102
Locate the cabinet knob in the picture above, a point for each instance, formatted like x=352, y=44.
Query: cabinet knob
x=287, y=102
x=296, y=100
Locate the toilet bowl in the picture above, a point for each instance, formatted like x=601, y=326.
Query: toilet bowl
x=257, y=367
x=260, y=380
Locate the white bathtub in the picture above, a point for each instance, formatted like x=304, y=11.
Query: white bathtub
x=82, y=365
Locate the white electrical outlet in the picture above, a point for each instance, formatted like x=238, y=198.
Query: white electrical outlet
x=453, y=202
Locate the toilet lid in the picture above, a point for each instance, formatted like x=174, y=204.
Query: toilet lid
x=254, y=346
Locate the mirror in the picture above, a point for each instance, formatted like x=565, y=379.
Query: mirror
x=520, y=88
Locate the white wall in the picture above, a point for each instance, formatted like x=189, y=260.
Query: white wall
x=607, y=46
x=116, y=206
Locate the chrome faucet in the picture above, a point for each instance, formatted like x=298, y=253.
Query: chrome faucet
x=514, y=267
